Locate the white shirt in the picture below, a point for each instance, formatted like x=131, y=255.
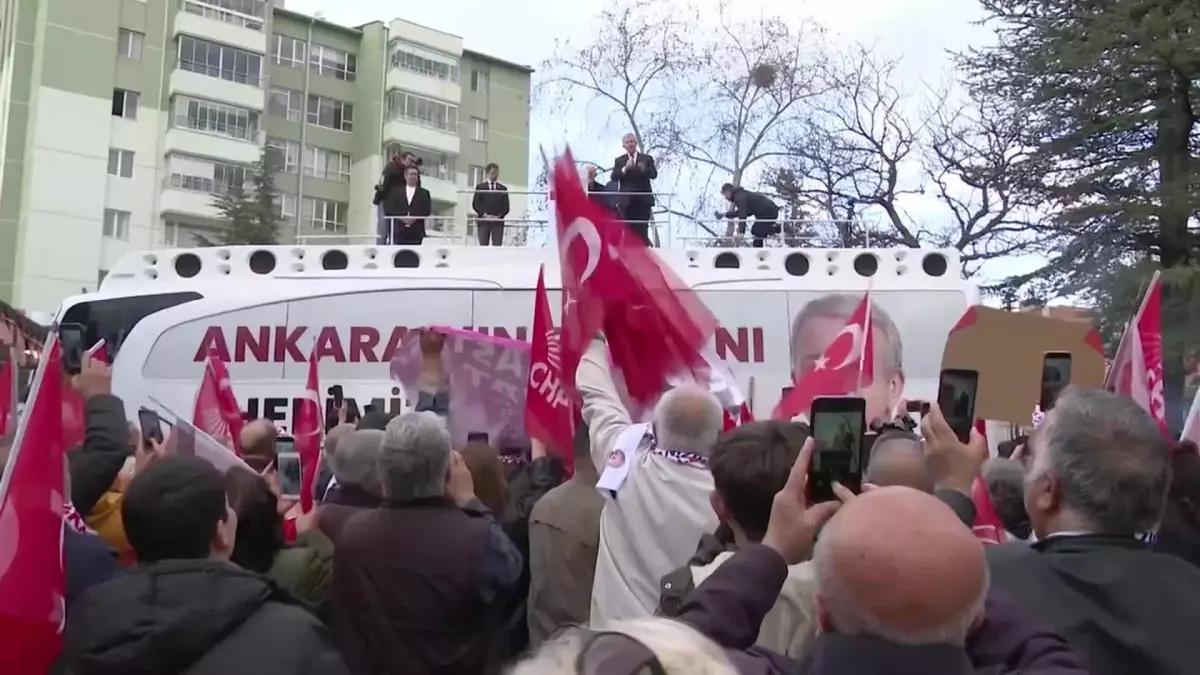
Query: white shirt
x=410, y=190
x=657, y=518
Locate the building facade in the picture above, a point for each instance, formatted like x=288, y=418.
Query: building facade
x=119, y=120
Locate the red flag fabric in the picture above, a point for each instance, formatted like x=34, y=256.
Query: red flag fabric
x=549, y=412
x=655, y=324
x=744, y=417
x=32, y=608
x=846, y=365
x=217, y=412
x=1137, y=368
x=73, y=406
x=307, y=430
x=987, y=527
x=8, y=394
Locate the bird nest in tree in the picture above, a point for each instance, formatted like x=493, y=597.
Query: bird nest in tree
x=763, y=75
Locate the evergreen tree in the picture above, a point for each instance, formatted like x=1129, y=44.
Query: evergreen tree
x=250, y=211
x=1110, y=95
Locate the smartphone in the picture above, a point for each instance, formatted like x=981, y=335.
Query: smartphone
x=478, y=437
x=151, y=425
x=338, y=395
x=1056, y=374
x=957, y=390
x=71, y=337
x=352, y=415
x=288, y=467
x=839, y=424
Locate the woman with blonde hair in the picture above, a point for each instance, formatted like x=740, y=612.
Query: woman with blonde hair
x=652, y=646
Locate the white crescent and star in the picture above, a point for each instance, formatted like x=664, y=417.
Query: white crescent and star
x=856, y=334
x=585, y=230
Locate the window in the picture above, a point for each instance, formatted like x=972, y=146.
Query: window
x=333, y=62
x=478, y=174
x=201, y=175
x=327, y=164
x=216, y=60
x=116, y=224
x=120, y=163
x=125, y=104
x=433, y=163
x=479, y=81
x=170, y=234
x=285, y=103
x=247, y=14
x=332, y=113
x=216, y=118
x=324, y=214
x=287, y=205
x=284, y=154
x=129, y=44
x=424, y=111
x=289, y=51
x=422, y=61
x=479, y=129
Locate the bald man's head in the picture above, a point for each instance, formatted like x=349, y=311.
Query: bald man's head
x=898, y=460
x=897, y=564
x=258, y=443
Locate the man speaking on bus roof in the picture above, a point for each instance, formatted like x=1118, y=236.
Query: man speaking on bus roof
x=820, y=321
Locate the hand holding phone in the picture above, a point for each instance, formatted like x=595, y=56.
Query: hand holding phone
x=151, y=426
x=839, y=424
x=288, y=469
x=338, y=395
x=71, y=336
x=957, y=391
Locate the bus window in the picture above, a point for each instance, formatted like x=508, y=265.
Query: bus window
x=111, y=319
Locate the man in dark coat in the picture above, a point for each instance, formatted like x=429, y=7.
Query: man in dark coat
x=747, y=205
x=1097, y=479
x=184, y=608
x=632, y=174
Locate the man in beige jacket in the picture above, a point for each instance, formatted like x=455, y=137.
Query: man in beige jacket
x=656, y=491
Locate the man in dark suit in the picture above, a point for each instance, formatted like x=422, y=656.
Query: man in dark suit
x=1097, y=477
x=632, y=173
x=405, y=208
x=491, y=206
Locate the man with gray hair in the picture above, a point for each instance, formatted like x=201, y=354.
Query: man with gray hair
x=420, y=584
x=657, y=485
x=354, y=461
x=1097, y=479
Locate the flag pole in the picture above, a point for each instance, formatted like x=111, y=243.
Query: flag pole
x=867, y=328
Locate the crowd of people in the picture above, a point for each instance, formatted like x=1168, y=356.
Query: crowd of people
x=705, y=557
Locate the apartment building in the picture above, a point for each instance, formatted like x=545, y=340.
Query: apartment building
x=119, y=120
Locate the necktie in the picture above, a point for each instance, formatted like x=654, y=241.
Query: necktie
x=493, y=187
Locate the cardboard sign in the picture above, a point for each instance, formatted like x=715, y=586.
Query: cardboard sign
x=1008, y=349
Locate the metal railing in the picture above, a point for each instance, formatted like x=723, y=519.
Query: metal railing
x=223, y=15
x=518, y=232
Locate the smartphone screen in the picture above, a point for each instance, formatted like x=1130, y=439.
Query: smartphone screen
x=338, y=395
x=151, y=426
x=477, y=437
x=838, y=425
x=71, y=337
x=288, y=466
x=956, y=399
x=1056, y=374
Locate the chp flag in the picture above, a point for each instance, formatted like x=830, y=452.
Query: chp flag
x=549, y=407
x=32, y=509
x=217, y=412
x=1137, y=367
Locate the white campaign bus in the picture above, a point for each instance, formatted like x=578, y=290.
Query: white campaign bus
x=263, y=308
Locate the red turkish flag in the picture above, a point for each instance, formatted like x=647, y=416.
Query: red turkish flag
x=8, y=394
x=847, y=364
x=655, y=325
x=307, y=431
x=549, y=405
x=217, y=412
x=1137, y=368
x=32, y=608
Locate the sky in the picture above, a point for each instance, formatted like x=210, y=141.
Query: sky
x=919, y=33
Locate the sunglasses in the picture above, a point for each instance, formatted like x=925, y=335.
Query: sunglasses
x=610, y=653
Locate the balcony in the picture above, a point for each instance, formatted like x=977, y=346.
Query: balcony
x=200, y=144
x=423, y=83
x=409, y=130
x=178, y=201
x=202, y=20
x=440, y=190
x=198, y=85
